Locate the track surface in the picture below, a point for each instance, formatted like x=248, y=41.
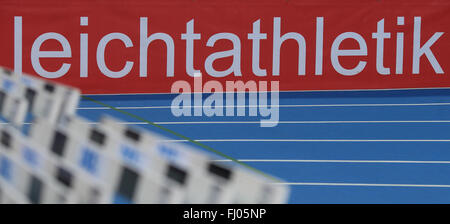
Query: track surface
x=332, y=147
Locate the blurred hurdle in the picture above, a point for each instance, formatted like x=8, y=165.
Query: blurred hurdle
x=64, y=158
x=44, y=99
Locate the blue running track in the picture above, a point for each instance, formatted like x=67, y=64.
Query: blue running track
x=390, y=146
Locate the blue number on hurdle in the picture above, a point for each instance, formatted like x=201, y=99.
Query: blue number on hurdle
x=30, y=156
x=5, y=168
x=130, y=155
x=8, y=85
x=89, y=161
x=170, y=153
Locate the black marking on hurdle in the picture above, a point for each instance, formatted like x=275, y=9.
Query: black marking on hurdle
x=58, y=143
x=5, y=139
x=132, y=134
x=64, y=176
x=219, y=171
x=30, y=94
x=2, y=100
x=128, y=182
x=49, y=87
x=97, y=137
x=177, y=174
x=35, y=190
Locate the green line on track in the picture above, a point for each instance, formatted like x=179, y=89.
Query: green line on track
x=182, y=136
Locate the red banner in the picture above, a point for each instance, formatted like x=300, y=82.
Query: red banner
x=143, y=46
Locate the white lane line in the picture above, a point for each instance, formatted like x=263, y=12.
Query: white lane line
x=335, y=161
x=125, y=108
x=314, y=140
x=258, y=122
x=280, y=122
x=289, y=122
x=296, y=105
x=362, y=184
